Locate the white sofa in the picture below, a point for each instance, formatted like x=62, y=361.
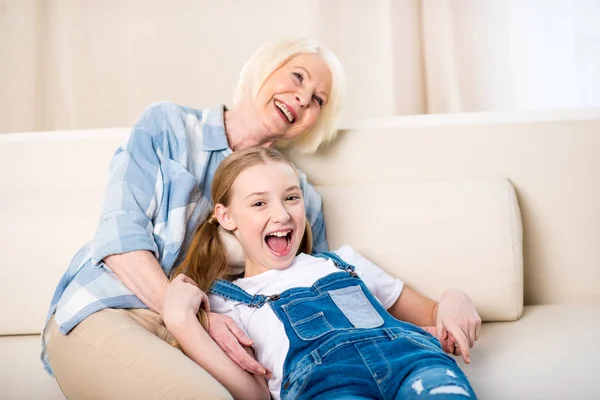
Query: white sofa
x=431, y=199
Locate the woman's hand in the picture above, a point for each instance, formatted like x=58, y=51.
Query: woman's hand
x=457, y=316
x=230, y=339
x=182, y=300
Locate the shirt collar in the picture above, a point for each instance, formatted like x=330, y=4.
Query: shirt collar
x=213, y=129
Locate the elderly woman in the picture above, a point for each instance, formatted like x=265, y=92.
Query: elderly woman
x=105, y=336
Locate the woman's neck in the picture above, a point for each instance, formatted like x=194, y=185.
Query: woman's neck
x=244, y=129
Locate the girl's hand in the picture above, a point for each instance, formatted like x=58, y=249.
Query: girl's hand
x=447, y=341
x=456, y=315
x=182, y=300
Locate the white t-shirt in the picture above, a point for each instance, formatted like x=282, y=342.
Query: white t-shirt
x=262, y=325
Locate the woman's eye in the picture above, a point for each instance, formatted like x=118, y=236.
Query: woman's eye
x=298, y=76
x=258, y=204
x=319, y=101
x=293, y=197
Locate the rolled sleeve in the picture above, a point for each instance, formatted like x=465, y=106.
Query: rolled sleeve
x=133, y=192
x=314, y=213
x=319, y=236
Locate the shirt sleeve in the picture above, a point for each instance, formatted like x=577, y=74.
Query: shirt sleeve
x=385, y=287
x=314, y=214
x=134, y=189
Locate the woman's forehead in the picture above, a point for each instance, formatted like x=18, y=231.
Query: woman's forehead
x=313, y=64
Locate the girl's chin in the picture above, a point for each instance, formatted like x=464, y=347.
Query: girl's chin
x=282, y=259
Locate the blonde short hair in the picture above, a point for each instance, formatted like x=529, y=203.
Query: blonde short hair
x=269, y=58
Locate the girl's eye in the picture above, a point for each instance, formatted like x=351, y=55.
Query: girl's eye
x=293, y=197
x=258, y=204
x=319, y=101
x=298, y=76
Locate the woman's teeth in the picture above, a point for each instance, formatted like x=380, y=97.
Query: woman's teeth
x=285, y=111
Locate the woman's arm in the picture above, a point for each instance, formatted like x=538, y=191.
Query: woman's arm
x=141, y=273
x=182, y=302
x=124, y=240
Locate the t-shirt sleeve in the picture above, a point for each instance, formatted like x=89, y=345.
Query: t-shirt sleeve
x=223, y=306
x=385, y=287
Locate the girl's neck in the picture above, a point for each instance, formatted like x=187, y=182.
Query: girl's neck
x=244, y=129
x=252, y=269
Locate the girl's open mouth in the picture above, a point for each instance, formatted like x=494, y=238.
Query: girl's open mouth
x=279, y=242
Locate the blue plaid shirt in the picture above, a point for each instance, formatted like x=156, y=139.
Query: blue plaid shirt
x=159, y=186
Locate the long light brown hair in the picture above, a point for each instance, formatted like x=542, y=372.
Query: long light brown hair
x=206, y=260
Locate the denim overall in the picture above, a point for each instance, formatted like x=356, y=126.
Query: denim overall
x=345, y=345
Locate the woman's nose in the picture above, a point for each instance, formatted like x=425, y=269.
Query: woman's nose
x=302, y=99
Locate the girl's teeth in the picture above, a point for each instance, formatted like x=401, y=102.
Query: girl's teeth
x=278, y=234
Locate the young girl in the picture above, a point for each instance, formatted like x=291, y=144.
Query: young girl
x=320, y=323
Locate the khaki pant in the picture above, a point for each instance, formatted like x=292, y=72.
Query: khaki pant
x=122, y=354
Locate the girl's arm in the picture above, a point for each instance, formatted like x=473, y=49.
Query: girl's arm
x=454, y=313
x=198, y=345
x=414, y=308
x=182, y=301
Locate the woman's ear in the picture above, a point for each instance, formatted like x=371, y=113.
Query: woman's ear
x=222, y=215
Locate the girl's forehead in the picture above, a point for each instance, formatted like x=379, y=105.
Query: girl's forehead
x=265, y=177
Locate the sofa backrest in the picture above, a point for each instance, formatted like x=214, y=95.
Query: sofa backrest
x=52, y=187
x=433, y=235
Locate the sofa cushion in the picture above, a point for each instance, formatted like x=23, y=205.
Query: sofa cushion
x=22, y=376
x=437, y=235
x=549, y=353
x=557, y=343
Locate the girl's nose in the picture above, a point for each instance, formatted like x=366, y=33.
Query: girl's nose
x=281, y=215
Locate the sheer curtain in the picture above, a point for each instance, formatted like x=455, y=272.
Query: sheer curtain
x=511, y=54
x=69, y=64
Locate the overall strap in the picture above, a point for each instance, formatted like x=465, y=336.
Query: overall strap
x=337, y=261
x=233, y=292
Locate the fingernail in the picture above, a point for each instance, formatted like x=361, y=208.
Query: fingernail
x=262, y=371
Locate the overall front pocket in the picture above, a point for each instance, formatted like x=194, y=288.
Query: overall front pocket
x=307, y=318
x=353, y=303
